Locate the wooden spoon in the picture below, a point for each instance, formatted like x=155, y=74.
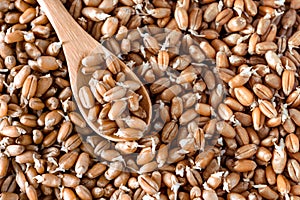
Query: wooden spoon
x=77, y=44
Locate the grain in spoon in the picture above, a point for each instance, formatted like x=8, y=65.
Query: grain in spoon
x=77, y=44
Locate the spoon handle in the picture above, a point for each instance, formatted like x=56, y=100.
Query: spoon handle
x=59, y=18
x=69, y=32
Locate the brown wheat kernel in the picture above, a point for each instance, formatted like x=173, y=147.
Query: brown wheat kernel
x=288, y=80
x=267, y=108
x=244, y=96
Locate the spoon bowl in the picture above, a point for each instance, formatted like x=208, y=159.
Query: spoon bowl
x=77, y=44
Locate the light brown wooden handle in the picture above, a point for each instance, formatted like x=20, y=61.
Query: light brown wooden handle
x=77, y=43
x=67, y=29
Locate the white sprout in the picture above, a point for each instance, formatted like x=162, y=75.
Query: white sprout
x=52, y=160
x=26, y=184
x=58, y=169
x=198, y=96
x=153, y=145
x=291, y=46
x=10, y=88
x=175, y=186
x=213, y=112
x=143, y=51
x=60, y=63
x=134, y=170
x=160, y=164
x=226, y=186
x=149, y=11
x=277, y=14
x=135, y=144
x=220, y=6
x=143, y=35
x=25, y=101
x=247, y=72
x=222, y=152
x=140, y=97
x=103, y=162
x=79, y=175
x=280, y=148
x=279, y=68
x=253, y=105
x=298, y=89
x=118, y=133
x=267, y=69
x=37, y=162
x=38, y=11
x=226, y=174
x=267, y=16
x=219, y=160
x=220, y=141
x=182, y=151
x=122, y=99
x=157, y=196
x=64, y=148
x=115, y=2
x=56, y=46
x=122, y=85
x=102, y=16
x=287, y=66
x=120, y=56
x=21, y=130
x=138, y=8
x=277, y=95
x=147, y=197
x=124, y=188
x=161, y=104
x=65, y=104
x=39, y=178
x=231, y=59
x=284, y=113
x=286, y=195
x=4, y=143
x=146, y=66
x=234, y=121
x=196, y=166
x=273, y=102
x=246, y=179
x=191, y=161
x=180, y=4
x=238, y=10
x=219, y=89
x=259, y=186
x=130, y=64
x=9, y=30
x=61, y=188
x=49, y=122
x=195, y=33
x=165, y=45
x=179, y=172
x=279, y=2
x=206, y=186
x=176, y=64
x=217, y=174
